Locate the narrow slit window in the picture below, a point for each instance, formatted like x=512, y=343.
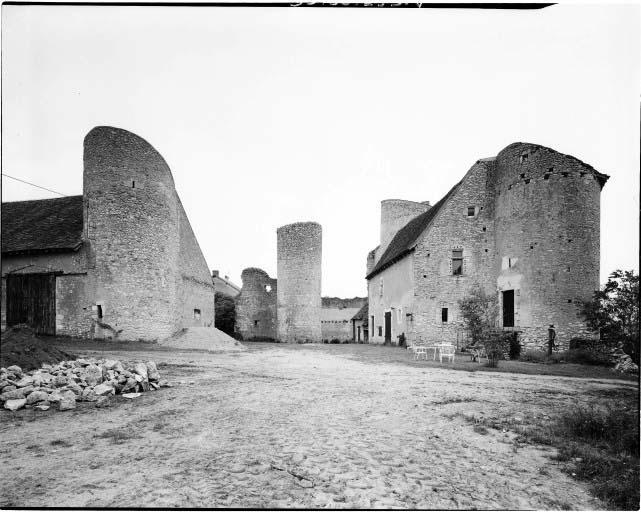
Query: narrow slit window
x=457, y=262
x=133, y=184
x=99, y=311
x=444, y=315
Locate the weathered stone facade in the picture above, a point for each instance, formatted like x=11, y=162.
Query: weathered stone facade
x=139, y=273
x=523, y=225
x=256, y=314
x=299, y=249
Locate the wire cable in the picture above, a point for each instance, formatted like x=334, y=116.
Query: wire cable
x=34, y=185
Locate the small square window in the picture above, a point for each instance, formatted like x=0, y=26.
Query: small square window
x=255, y=323
x=471, y=211
x=444, y=315
x=197, y=314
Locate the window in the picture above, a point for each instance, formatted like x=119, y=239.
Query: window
x=380, y=330
x=380, y=287
x=457, y=262
x=471, y=211
x=444, y=315
x=524, y=158
x=255, y=323
x=197, y=314
x=99, y=311
x=133, y=184
x=268, y=288
x=372, y=322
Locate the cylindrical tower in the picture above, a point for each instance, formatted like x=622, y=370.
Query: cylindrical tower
x=299, y=282
x=256, y=306
x=547, y=241
x=131, y=229
x=395, y=213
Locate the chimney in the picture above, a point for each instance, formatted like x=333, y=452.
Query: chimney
x=214, y=273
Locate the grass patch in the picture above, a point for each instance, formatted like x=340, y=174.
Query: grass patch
x=573, y=356
x=596, y=444
x=118, y=436
x=454, y=400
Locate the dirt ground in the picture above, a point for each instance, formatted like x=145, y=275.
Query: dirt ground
x=297, y=426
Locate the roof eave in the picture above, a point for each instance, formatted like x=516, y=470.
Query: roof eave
x=391, y=262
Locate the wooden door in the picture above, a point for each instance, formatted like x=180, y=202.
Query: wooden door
x=31, y=300
x=388, y=327
x=508, y=308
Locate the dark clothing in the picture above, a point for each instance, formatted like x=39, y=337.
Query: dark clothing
x=551, y=338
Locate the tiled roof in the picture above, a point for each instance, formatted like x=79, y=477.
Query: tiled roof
x=404, y=240
x=42, y=225
x=362, y=313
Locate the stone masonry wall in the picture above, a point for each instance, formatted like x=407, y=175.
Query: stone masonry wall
x=396, y=213
x=196, y=294
x=452, y=229
x=256, y=315
x=299, y=248
x=548, y=226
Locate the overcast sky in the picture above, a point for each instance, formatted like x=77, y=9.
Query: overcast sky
x=272, y=116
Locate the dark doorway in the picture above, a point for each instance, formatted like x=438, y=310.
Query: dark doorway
x=359, y=334
x=388, y=327
x=508, y=308
x=31, y=300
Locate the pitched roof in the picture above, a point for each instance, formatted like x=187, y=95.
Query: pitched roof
x=404, y=240
x=362, y=313
x=43, y=225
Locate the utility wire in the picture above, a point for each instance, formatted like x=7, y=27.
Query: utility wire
x=34, y=185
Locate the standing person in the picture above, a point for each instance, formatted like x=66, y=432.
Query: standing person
x=551, y=338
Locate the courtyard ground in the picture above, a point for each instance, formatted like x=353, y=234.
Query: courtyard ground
x=301, y=426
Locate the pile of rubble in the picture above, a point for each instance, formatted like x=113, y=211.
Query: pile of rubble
x=82, y=380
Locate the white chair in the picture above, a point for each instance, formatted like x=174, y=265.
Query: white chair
x=419, y=349
x=446, y=350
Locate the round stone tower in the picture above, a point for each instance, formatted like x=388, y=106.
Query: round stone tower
x=131, y=230
x=299, y=282
x=547, y=241
x=395, y=214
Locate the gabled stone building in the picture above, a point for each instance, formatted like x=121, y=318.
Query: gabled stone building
x=120, y=261
x=523, y=225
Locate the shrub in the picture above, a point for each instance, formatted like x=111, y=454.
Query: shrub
x=534, y=356
x=479, y=312
x=497, y=344
x=334, y=341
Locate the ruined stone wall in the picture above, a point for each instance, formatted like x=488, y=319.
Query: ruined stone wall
x=396, y=213
x=256, y=314
x=452, y=229
x=196, y=292
x=548, y=236
x=299, y=248
x=131, y=223
x=73, y=310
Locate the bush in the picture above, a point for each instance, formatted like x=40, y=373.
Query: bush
x=576, y=356
x=497, y=344
x=479, y=313
x=534, y=356
x=334, y=341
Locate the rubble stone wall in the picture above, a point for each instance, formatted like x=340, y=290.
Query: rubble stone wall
x=256, y=314
x=299, y=248
x=548, y=225
x=145, y=269
x=436, y=288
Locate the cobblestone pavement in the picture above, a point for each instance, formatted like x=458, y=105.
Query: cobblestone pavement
x=296, y=427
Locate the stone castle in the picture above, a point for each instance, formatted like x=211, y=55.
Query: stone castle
x=290, y=309
x=120, y=261
x=523, y=225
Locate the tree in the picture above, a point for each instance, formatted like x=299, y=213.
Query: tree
x=614, y=311
x=225, y=313
x=479, y=312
